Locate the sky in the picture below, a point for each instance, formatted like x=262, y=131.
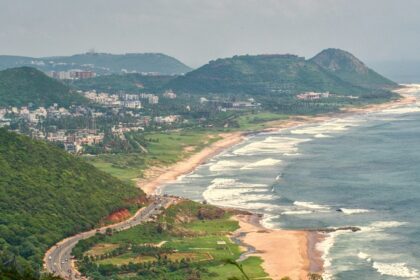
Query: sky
x=196, y=31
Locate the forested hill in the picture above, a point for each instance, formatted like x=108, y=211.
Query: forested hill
x=277, y=74
x=47, y=194
x=102, y=63
x=350, y=69
x=24, y=85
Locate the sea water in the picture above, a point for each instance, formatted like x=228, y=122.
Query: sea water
x=360, y=170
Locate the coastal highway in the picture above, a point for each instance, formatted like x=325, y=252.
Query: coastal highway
x=58, y=259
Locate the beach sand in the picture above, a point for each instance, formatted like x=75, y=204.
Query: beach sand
x=284, y=252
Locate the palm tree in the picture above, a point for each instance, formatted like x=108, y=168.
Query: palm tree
x=239, y=266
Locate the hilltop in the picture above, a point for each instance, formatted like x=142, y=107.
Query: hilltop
x=47, y=194
x=102, y=63
x=350, y=69
x=24, y=85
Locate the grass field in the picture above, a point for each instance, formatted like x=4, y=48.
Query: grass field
x=258, y=121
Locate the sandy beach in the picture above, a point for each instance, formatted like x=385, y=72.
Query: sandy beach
x=284, y=252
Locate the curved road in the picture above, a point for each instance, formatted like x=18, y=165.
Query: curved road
x=58, y=259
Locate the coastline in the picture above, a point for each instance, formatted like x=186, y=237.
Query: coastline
x=299, y=254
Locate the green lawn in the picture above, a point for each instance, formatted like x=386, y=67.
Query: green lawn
x=258, y=121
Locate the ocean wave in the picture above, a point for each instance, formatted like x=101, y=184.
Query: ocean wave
x=231, y=193
x=279, y=145
x=195, y=176
x=297, y=212
x=395, y=269
x=320, y=130
x=325, y=247
x=267, y=221
x=321, y=135
x=387, y=224
x=223, y=165
x=349, y=211
x=364, y=256
x=310, y=205
x=400, y=111
x=262, y=163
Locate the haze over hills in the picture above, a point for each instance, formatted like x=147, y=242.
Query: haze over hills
x=335, y=71
x=402, y=71
x=101, y=63
x=24, y=85
x=47, y=194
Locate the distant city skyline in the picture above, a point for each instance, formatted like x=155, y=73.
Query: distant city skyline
x=198, y=31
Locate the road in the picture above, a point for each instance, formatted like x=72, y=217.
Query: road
x=58, y=259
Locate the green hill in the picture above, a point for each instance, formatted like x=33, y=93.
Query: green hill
x=350, y=69
x=47, y=194
x=278, y=74
x=102, y=63
x=24, y=85
x=261, y=74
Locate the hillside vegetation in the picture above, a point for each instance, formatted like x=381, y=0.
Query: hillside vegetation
x=47, y=194
x=24, y=85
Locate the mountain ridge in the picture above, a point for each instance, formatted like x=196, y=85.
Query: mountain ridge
x=102, y=63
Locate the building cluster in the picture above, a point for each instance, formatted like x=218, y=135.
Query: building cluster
x=71, y=74
x=166, y=119
x=3, y=120
x=122, y=100
x=74, y=141
x=35, y=116
x=169, y=94
x=121, y=128
x=310, y=95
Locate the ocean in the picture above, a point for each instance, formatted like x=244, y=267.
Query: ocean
x=360, y=170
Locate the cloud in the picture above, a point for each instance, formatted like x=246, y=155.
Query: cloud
x=196, y=31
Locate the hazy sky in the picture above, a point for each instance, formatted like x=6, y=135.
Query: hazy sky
x=196, y=31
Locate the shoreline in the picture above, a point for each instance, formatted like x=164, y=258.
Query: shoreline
x=300, y=255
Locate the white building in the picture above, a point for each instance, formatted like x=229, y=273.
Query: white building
x=169, y=94
x=153, y=99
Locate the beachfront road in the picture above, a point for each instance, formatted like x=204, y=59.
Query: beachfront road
x=58, y=259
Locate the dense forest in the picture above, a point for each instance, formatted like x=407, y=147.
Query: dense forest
x=25, y=85
x=46, y=195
